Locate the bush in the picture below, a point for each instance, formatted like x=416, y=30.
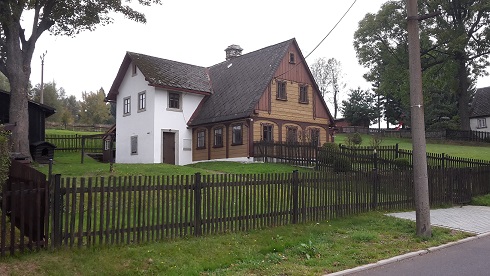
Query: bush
x=353, y=139
x=329, y=153
x=376, y=140
x=342, y=164
x=402, y=163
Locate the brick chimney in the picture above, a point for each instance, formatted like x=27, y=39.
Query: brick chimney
x=233, y=51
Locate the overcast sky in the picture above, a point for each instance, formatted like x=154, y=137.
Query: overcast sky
x=197, y=32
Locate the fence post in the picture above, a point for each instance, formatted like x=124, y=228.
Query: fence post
x=295, y=196
x=57, y=212
x=197, y=205
x=397, y=154
x=83, y=148
x=443, y=161
x=374, y=203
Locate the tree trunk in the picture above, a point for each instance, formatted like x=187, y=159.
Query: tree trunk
x=463, y=94
x=18, y=70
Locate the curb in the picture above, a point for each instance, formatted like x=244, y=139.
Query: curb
x=406, y=256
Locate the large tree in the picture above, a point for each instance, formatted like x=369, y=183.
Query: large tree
x=94, y=110
x=328, y=76
x=68, y=17
x=455, y=47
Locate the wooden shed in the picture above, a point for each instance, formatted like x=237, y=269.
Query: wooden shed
x=42, y=151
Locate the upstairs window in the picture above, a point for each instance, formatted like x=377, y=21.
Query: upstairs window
x=142, y=101
x=281, y=90
x=482, y=123
x=292, y=58
x=267, y=131
x=134, y=70
x=201, y=139
x=303, y=94
x=127, y=106
x=291, y=134
x=237, y=135
x=174, y=100
x=218, y=137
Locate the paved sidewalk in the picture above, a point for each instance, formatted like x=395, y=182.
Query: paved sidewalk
x=472, y=219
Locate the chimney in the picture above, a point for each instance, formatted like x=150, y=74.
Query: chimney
x=233, y=51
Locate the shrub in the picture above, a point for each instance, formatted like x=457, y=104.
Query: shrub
x=342, y=164
x=402, y=163
x=353, y=139
x=329, y=153
x=376, y=140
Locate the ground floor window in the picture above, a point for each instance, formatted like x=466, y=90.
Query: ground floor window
x=134, y=145
x=482, y=123
x=201, y=139
x=237, y=135
x=267, y=132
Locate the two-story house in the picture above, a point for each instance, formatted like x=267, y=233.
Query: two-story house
x=171, y=112
x=480, y=110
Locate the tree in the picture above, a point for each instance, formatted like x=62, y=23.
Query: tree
x=455, y=46
x=94, y=110
x=328, y=76
x=360, y=109
x=17, y=47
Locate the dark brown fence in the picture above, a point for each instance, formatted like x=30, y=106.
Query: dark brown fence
x=120, y=210
x=24, y=212
x=90, y=143
x=448, y=134
x=299, y=154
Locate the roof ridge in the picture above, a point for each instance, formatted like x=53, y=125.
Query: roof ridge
x=164, y=59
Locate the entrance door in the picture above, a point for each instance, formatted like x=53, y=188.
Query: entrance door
x=168, y=148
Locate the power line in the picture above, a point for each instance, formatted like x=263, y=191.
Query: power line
x=334, y=27
x=328, y=34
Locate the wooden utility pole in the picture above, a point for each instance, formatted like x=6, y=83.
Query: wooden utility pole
x=41, y=96
x=421, y=183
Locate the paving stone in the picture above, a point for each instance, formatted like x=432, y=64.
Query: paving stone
x=473, y=219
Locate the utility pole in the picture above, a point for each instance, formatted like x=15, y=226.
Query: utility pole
x=421, y=183
x=41, y=100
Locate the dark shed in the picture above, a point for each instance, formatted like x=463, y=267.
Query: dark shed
x=42, y=151
x=37, y=116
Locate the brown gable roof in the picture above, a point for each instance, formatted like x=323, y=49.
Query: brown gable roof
x=163, y=73
x=480, y=106
x=239, y=83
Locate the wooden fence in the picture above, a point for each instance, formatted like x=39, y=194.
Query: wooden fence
x=90, y=143
x=448, y=134
x=361, y=158
x=121, y=210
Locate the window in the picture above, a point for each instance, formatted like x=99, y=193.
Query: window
x=281, y=90
x=107, y=144
x=237, y=135
x=303, y=94
x=201, y=139
x=291, y=58
x=267, y=133
x=291, y=134
x=218, y=137
x=134, y=145
x=134, y=70
x=127, y=106
x=315, y=136
x=142, y=101
x=482, y=123
x=174, y=100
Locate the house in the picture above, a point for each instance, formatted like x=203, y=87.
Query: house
x=37, y=116
x=480, y=110
x=177, y=113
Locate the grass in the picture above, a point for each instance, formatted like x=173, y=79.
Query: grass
x=69, y=132
x=304, y=249
x=456, y=149
x=68, y=165
x=481, y=200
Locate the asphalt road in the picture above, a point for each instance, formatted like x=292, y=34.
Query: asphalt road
x=469, y=258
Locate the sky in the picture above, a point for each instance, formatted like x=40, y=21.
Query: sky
x=197, y=32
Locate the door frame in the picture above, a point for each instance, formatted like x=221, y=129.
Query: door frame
x=176, y=145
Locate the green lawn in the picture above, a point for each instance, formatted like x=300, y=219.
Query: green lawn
x=303, y=249
x=69, y=132
x=457, y=149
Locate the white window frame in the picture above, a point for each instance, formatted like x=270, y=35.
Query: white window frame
x=127, y=106
x=481, y=123
x=141, y=101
